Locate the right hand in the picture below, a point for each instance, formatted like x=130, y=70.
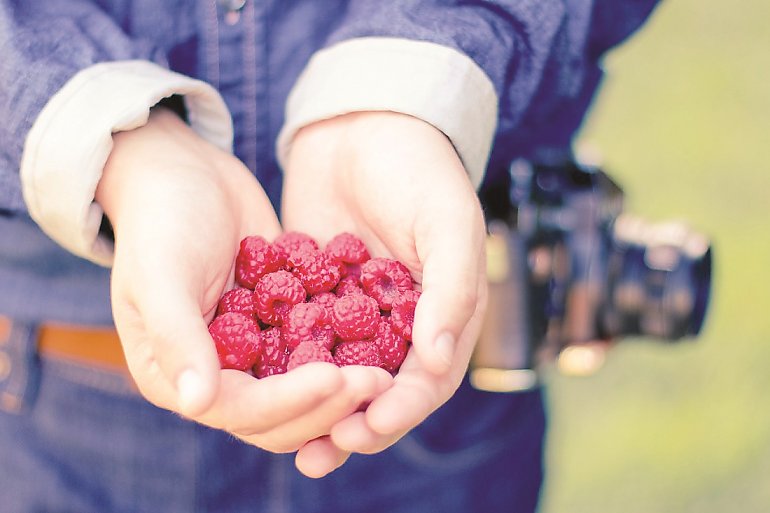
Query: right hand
x=179, y=207
x=398, y=183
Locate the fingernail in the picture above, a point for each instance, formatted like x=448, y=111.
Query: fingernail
x=190, y=388
x=445, y=347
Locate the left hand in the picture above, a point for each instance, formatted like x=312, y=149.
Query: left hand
x=179, y=207
x=398, y=184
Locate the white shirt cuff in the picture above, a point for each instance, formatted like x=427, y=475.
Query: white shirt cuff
x=70, y=141
x=432, y=82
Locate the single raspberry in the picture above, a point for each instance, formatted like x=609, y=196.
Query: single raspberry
x=237, y=340
x=315, y=269
x=402, y=313
x=392, y=346
x=275, y=294
x=308, y=322
x=288, y=242
x=384, y=278
x=274, y=349
x=237, y=300
x=307, y=352
x=325, y=299
x=349, y=251
x=256, y=258
x=349, y=285
x=357, y=352
x=355, y=317
x=275, y=354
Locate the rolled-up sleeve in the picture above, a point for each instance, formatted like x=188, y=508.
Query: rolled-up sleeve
x=70, y=78
x=453, y=65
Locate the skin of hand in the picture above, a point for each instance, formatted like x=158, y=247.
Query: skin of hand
x=179, y=207
x=397, y=183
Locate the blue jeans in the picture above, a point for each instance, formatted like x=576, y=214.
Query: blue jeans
x=76, y=439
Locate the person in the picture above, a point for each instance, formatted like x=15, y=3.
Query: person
x=142, y=140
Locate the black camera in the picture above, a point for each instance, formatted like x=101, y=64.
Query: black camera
x=567, y=267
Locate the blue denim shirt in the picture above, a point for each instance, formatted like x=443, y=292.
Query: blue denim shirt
x=542, y=57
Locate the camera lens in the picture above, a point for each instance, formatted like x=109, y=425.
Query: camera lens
x=659, y=280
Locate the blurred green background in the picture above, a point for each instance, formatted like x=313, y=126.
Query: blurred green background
x=683, y=123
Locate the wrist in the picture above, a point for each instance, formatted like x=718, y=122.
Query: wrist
x=429, y=81
x=352, y=139
x=165, y=153
x=71, y=139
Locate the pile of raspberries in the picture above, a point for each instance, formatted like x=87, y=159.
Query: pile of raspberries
x=297, y=303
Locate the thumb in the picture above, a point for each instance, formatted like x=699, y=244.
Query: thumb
x=182, y=349
x=449, y=297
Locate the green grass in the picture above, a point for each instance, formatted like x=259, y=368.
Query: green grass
x=684, y=125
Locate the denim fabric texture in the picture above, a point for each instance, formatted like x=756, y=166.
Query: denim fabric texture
x=80, y=440
x=75, y=439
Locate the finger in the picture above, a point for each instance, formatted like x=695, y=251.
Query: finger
x=140, y=357
x=353, y=434
x=319, y=457
x=181, y=346
x=166, y=340
x=248, y=406
x=450, y=277
x=416, y=393
x=362, y=385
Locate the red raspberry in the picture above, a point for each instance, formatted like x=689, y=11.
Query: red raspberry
x=349, y=285
x=349, y=251
x=391, y=345
x=289, y=242
x=325, y=299
x=274, y=346
x=275, y=354
x=308, y=322
x=357, y=352
x=308, y=352
x=237, y=300
x=402, y=313
x=275, y=294
x=384, y=278
x=237, y=340
x=355, y=317
x=256, y=258
x=315, y=269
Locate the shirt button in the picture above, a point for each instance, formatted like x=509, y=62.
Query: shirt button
x=232, y=10
x=232, y=5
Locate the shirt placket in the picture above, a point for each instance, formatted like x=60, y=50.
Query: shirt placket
x=232, y=59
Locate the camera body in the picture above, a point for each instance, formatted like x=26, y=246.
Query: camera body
x=567, y=266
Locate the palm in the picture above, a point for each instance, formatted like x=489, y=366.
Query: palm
x=398, y=185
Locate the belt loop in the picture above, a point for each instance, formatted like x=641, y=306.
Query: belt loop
x=19, y=368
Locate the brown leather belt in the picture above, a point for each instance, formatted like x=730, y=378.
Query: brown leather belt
x=97, y=347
